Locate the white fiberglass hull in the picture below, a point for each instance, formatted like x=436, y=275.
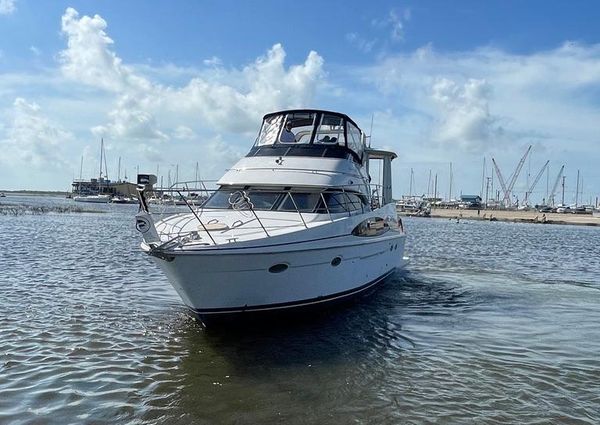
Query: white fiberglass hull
x=229, y=281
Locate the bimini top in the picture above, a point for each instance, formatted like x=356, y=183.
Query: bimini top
x=309, y=132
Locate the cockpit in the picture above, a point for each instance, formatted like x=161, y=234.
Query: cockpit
x=309, y=133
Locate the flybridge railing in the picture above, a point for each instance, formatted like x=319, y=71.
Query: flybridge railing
x=195, y=194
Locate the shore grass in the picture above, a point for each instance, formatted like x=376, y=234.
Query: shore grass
x=22, y=209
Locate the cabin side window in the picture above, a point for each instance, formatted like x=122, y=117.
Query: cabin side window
x=342, y=202
x=373, y=226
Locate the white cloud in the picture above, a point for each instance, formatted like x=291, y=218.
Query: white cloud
x=393, y=23
x=88, y=58
x=362, y=44
x=7, y=7
x=184, y=133
x=459, y=106
x=214, y=61
x=33, y=139
x=464, y=121
x=35, y=50
x=130, y=121
x=481, y=95
x=217, y=103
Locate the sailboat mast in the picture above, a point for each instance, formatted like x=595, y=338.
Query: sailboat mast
x=105, y=165
x=119, y=171
x=100, y=176
x=450, y=189
x=101, y=153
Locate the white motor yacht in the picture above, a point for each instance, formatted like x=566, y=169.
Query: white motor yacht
x=295, y=223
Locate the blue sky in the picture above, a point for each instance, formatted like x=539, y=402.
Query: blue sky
x=177, y=82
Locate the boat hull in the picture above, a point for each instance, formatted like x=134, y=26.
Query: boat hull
x=252, y=280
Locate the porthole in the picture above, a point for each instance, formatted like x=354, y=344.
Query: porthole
x=278, y=268
x=336, y=261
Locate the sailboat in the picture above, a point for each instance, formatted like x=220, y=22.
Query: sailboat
x=93, y=192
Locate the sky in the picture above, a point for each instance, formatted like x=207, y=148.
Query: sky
x=168, y=84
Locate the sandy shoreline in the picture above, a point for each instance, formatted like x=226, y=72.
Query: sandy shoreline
x=516, y=216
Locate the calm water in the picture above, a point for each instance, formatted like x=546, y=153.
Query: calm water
x=493, y=323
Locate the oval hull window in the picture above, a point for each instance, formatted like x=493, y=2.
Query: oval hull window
x=336, y=261
x=278, y=268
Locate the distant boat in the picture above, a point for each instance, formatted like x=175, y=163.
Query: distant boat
x=123, y=200
x=97, y=199
x=2, y=195
x=596, y=212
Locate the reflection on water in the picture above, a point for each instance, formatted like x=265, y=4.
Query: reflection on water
x=493, y=323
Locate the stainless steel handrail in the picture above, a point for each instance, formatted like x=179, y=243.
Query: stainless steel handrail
x=372, y=197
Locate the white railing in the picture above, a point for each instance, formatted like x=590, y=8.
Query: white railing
x=194, y=195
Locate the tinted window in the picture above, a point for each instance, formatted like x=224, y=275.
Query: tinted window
x=374, y=226
x=260, y=200
x=306, y=202
x=340, y=202
x=263, y=200
x=219, y=199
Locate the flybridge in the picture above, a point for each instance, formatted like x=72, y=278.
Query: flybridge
x=309, y=132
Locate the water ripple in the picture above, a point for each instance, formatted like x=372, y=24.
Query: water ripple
x=493, y=323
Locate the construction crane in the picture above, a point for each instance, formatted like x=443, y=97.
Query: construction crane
x=551, y=196
x=535, y=181
x=507, y=189
x=499, y=174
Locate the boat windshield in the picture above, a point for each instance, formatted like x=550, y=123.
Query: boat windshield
x=289, y=128
x=272, y=200
x=314, y=128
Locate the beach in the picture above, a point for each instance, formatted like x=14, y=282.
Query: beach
x=517, y=216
